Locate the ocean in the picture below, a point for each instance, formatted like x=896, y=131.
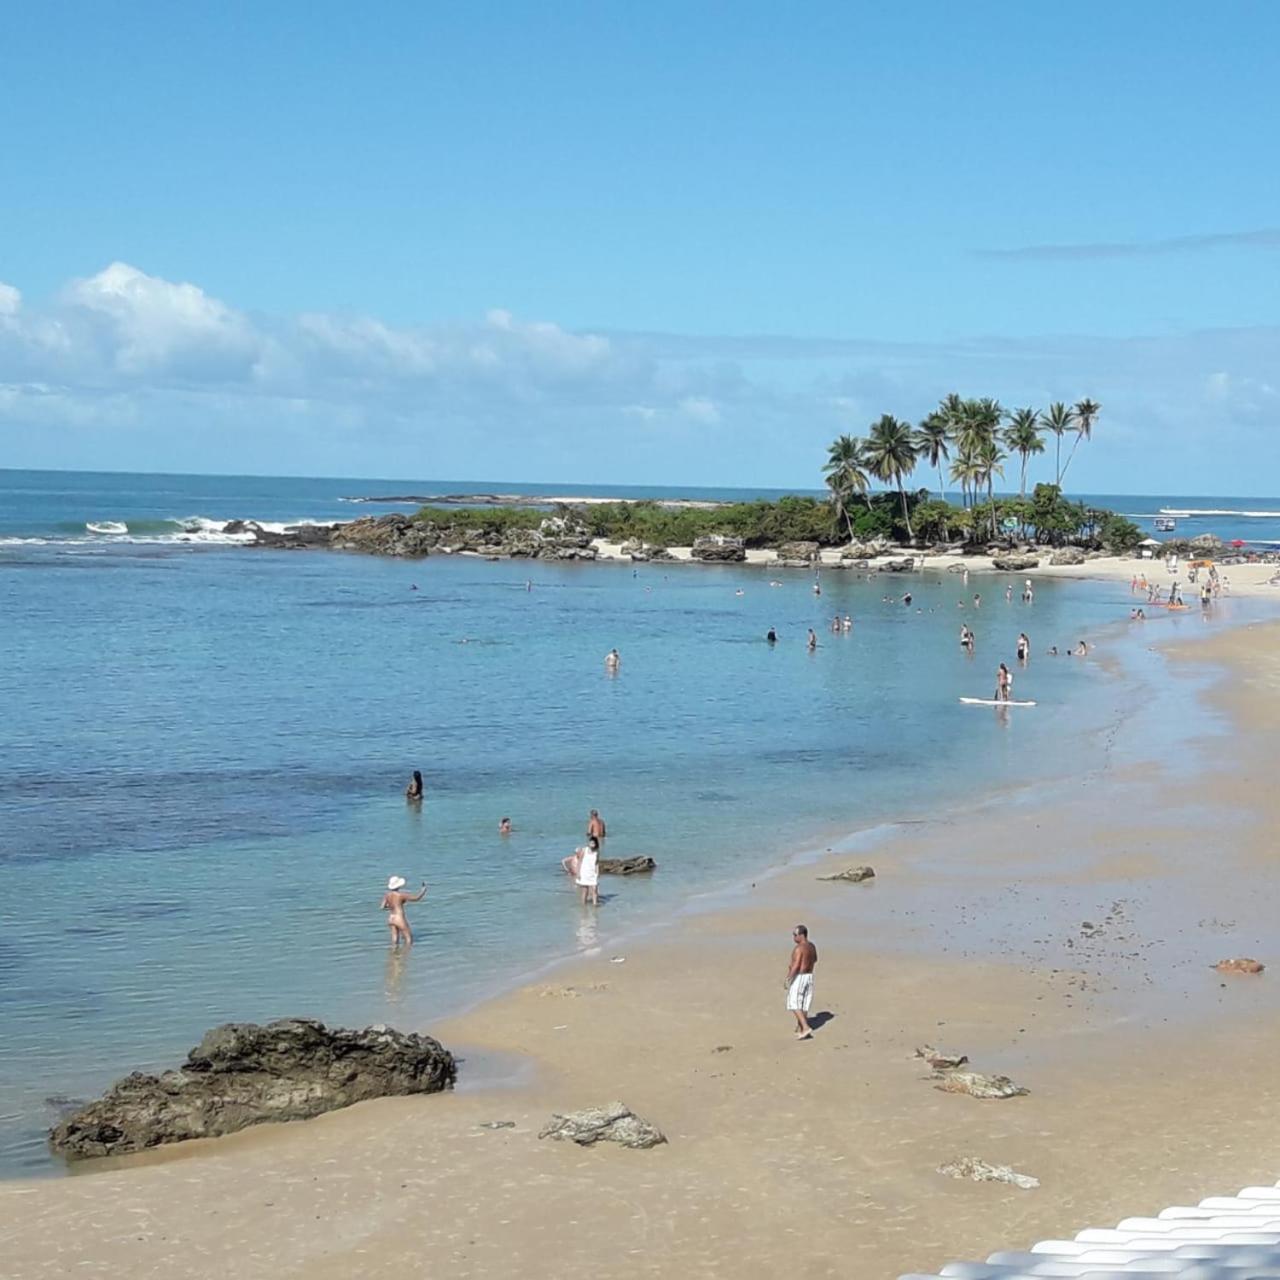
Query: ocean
x=204, y=748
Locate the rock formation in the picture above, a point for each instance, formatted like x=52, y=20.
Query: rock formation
x=1068, y=555
x=1015, y=564
x=243, y=1074
x=853, y=875
x=978, y=1085
x=980, y=1171
x=611, y=1123
x=626, y=866
x=1242, y=964
x=718, y=547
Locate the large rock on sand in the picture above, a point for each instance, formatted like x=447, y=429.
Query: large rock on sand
x=1015, y=563
x=626, y=866
x=978, y=1085
x=852, y=875
x=1068, y=555
x=718, y=547
x=242, y=1074
x=611, y=1123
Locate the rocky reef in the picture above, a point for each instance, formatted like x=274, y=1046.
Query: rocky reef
x=243, y=1074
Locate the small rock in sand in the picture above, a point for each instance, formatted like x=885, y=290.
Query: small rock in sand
x=980, y=1171
x=940, y=1060
x=611, y=1123
x=978, y=1085
x=722, y=1048
x=853, y=875
x=497, y=1124
x=1241, y=964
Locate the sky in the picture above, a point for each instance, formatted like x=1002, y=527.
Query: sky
x=669, y=243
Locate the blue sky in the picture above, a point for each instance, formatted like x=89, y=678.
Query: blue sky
x=681, y=243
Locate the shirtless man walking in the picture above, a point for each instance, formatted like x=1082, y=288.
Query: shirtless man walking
x=799, y=980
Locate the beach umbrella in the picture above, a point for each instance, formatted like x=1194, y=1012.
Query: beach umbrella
x=1237, y=542
x=1149, y=542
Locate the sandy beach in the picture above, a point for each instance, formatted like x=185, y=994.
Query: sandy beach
x=1063, y=937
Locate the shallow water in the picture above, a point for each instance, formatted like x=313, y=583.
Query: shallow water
x=205, y=748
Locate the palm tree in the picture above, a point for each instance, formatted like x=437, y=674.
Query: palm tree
x=846, y=475
x=1058, y=419
x=1085, y=411
x=990, y=458
x=932, y=438
x=890, y=455
x=1023, y=436
x=965, y=472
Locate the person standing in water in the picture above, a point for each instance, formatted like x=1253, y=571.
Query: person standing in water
x=414, y=790
x=612, y=660
x=1024, y=647
x=595, y=825
x=771, y=636
x=813, y=640
x=799, y=980
x=588, y=876
x=394, y=901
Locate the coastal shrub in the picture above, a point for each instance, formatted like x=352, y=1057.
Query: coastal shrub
x=1118, y=534
x=497, y=520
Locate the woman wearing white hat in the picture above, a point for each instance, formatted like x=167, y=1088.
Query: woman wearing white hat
x=393, y=900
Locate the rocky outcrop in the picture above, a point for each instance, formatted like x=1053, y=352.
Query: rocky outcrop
x=242, y=1074
x=976, y=1170
x=977, y=1085
x=899, y=566
x=626, y=866
x=1068, y=555
x=611, y=1123
x=391, y=535
x=718, y=548
x=1015, y=564
x=853, y=875
x=798, y=555
x=1242, y=964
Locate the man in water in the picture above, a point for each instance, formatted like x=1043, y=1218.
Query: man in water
x=595, y=825
x=799, y=980
x=612, y=660
x=813, y=640
x=771, y=636
x=394, y=901
x=504, y=827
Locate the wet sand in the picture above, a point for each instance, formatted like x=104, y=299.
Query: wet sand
x=1063, y=937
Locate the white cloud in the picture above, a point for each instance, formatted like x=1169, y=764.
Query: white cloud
x=700, y=409
x=127, y=369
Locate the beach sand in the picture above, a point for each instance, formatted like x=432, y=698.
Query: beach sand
x=1064, y=938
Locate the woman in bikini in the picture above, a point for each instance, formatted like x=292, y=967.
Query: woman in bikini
x=394, y=901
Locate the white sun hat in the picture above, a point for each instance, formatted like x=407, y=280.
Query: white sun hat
x=396, y=882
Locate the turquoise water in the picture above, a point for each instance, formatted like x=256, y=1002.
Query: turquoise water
x=204, y=749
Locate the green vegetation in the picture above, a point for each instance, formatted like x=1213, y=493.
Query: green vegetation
x=489, y=520
x=976, y=437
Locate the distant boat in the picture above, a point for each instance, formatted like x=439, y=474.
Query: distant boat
x=1165, y=524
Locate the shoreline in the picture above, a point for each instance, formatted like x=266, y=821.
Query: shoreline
x=1065, y=1015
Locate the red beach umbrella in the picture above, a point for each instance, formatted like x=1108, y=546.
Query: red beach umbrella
x=1237, y=542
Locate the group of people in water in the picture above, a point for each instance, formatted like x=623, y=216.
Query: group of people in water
x=582, y=865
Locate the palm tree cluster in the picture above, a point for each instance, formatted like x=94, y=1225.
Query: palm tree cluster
x=982, y=434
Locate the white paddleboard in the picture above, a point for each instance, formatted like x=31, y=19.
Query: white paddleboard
x=991, y=702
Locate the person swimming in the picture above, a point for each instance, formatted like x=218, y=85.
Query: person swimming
x=414, y=790
x=771, y=636
x=504, y=827
x=394, y=901
x=612, y=660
